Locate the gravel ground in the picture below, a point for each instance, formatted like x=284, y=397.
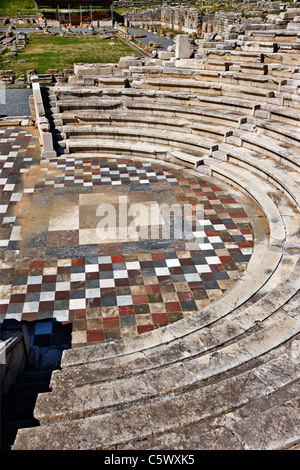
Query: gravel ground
x=16, y=102
x=152, y=37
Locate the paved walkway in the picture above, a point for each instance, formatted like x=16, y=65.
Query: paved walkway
x=141, y=272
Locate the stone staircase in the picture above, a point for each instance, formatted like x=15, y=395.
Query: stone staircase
x=226, y=377
x=18, y=404
x=51, y=115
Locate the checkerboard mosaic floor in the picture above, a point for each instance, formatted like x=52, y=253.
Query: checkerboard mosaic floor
x=57, y=268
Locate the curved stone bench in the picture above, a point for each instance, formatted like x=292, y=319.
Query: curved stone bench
x=156, y=112
x=203, y=63
x=93, y=99
x=268, y=147
x=201, y=87
x=244, y=79
x=284, y=133
x=87, y=432
x=280, y=114
x=93, y=138
x=281, y=176
x=141, y=120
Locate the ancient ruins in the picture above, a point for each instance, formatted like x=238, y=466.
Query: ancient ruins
x=218, y=110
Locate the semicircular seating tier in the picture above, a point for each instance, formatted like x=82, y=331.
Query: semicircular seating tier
x=226, y=377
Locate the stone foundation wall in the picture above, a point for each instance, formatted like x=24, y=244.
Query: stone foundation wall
x=194, y=20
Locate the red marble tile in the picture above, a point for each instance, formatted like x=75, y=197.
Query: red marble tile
x=243, y=244
x=158, y=256
x=238, y=215
x=226, y=259
x=122, y=282
x=93, y=303
x=246, y=231
x=187, y=295
x=36, y=265
x=49, y=278
x=3, y=309
x=92, y=276
x=186, y=262
x=34, y=288
x=144, y=328
x=229, y=200
x=29, y=316
x=105, y=267
x=153, y=289
x=139, y=299
x=94, y=335
x=78, y=314
x=118, y=259
x=111, y=322
x=62, y=295
x=125, y=310
x=146, y=264
x=160, y=318
x=64, y=270
x=78, y=262
x=211, y=233
x=17, y=298
x=173, y=307
x=46, y=306
x=77, y=285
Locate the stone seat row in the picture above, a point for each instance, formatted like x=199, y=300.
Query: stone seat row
x=253, y=57
x=266, y=47
x=268, y=146
x=199, y=123
x=186, y=123
x=236, y=78
x=207, y=422
x=287, y=135
x=185, y=137
x=204, y=88
x=95, y=98
x=287, y=96
x=284, y=178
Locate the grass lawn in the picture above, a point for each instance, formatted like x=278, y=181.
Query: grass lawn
x=17, y=7
x=55, y=52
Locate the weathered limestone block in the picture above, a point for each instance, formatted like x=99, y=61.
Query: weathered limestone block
x=7, y=76
x=183, y=47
